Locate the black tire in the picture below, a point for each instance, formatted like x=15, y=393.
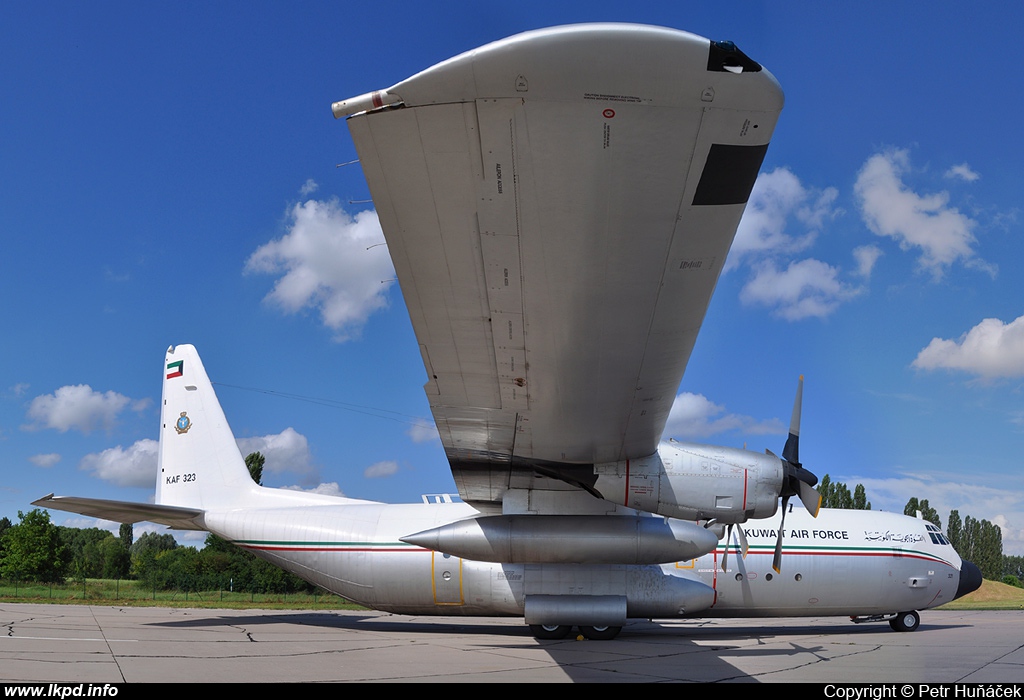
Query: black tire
x=550, y=631
x=603, y=632
x=906, y=621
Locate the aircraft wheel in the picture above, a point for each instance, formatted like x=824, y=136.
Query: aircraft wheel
x=603, y=632
x=906, y=621
x=550, y=631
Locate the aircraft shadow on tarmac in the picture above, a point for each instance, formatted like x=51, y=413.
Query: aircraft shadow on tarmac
x=688, y=650
x=691, y=629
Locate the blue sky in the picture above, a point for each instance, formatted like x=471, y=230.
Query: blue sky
x=169, y=176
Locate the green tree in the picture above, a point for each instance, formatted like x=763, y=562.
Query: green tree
x=150, y=541
x=82, y=555
x=981, y=542
x=836, y=494
x=144, y=552
x=927, y=512
x=254, y=462
x=116, y=559
x=33, y=549
x=121, y=561
x=860, y=498
x=5, y=525
x=127, y=535
x=954, y=529
x=1013, y=566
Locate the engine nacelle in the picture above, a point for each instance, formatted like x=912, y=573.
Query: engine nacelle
x=695, y=482
x=579, y=539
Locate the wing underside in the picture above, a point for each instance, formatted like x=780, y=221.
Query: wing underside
x=558, y=208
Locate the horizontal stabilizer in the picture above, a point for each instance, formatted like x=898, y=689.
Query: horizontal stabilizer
x=126, y=512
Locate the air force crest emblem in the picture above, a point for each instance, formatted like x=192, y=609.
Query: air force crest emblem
x=183, y=423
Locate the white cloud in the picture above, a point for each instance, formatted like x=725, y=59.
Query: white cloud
x=962, y=172
x=81, y=408
x=1011, y=530
x=779, y=205
x=996, y=503
x=331, y=262
x=926, y=222
x=694, y=416
x=777, y=198
x=806, y=288
x=381, y=469
x=990, y=350
x=328, y=489
x=134, y=466
x=288, y=451
x=308, y=187
x=45, y=460
x=19, y=389
x=423, y=430
x=866, y=257
x=80, y=522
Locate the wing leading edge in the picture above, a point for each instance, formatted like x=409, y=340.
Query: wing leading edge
x=559, y=206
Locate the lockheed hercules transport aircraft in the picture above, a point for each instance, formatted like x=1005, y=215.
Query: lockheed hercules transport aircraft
x=558, y=207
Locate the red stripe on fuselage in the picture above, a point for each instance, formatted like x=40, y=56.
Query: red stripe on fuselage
x=284, y=548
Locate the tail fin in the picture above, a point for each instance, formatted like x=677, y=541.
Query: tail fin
x=199, y=465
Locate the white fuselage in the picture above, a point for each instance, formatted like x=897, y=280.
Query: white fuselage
x=842, y=563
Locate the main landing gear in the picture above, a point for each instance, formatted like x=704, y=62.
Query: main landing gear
x=562, y=631
x=900, y=622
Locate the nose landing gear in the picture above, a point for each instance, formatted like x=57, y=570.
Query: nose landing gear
x=906, y=621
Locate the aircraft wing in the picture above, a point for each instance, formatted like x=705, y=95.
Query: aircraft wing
x=558, y=207
x=125, y=511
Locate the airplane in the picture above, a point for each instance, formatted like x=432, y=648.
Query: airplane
x=595, y=571
x=558, y=207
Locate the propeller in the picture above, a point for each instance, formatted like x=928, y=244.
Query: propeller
x=728, y=542
x=796, y=481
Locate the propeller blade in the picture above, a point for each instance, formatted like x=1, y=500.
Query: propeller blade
x=728, y=541
x=796, y=480
x=791, y=452
x=744, y=546
x=811, y=499
x=777, y=559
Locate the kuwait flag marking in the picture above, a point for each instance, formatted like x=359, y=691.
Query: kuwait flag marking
x=174, y=369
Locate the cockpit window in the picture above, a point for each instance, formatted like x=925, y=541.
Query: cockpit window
x=936, y=534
